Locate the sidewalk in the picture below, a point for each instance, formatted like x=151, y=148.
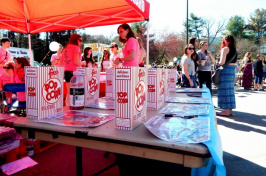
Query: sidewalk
x=244, y=134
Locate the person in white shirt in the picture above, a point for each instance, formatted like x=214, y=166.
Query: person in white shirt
x=56, y=57
x=142, y=53
x=115, y=54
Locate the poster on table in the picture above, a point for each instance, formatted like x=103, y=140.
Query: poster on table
x=92, y=84
x=44, y=91
x=131, y=97
x=156, y=88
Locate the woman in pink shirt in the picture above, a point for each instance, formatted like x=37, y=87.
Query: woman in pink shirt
x=5, y=78
x=71, y=59
x=131, y=50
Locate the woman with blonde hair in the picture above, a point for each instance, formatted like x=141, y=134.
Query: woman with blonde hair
x=105, y=61
x=247, y=73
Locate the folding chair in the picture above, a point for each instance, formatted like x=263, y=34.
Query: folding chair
x=14, y=88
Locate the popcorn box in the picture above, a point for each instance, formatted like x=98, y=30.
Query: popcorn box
x=92, y=84
x=131, y=97
x=172, y=77
x=156, y=88
x=44, y=91
x=110, y=83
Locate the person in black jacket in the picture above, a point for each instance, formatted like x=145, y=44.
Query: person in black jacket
x=258, y=72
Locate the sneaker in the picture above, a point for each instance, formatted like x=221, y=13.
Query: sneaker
x=255, y=89
x=261, y=90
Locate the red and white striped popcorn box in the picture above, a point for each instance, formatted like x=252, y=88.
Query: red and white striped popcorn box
x=156, y=88
x=44, y=91
x=110, y=83
x=92, y=84
x=172, y=76
x=131, y=97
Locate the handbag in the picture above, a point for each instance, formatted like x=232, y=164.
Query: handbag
x=216, y=75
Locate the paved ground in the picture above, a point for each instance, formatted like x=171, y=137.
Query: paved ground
x=244, y=134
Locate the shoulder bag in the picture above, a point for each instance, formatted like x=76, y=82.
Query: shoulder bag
x=216, y=75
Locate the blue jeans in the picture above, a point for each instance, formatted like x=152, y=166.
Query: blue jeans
x=258, y=77
x=186, y=82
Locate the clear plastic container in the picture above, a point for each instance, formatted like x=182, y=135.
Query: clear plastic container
x=76, y=91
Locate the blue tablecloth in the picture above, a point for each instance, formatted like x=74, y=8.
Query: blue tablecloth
x=215, y=165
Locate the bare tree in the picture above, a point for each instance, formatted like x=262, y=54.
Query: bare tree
x=212, y=34
x=244, y=46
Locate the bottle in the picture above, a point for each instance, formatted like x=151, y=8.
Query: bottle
x=30, y=149
x=76, y=91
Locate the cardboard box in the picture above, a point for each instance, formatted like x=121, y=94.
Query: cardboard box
x=44, y=91
x=156, y=88
x=110, y=83
x=172, y=77
x=92, y=84
x=131, y=97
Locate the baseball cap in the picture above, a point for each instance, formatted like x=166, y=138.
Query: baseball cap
x=5, y=39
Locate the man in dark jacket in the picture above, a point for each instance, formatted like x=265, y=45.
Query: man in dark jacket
x=258, y=73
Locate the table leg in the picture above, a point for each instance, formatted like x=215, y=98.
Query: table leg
x=79, y=160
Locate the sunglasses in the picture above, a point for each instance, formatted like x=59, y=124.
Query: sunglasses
x=80, y=40
x=190, y=48
x=112, y=47
x=6, y=68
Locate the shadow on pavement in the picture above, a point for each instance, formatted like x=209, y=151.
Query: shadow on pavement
x=237, y=166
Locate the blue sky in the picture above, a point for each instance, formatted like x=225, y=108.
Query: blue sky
x=169, y=15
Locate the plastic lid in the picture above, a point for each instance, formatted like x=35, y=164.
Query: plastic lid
x=76, y=73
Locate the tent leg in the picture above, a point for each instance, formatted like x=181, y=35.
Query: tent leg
x=147, y=43
x=31, y=58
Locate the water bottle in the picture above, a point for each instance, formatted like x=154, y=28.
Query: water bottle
x=76, y=91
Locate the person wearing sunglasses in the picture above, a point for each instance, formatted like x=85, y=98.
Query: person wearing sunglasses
x=5, y=55
x=71, y=59
x=5, y=78
x=188, y=67
x=131, y=49
x=105, y=61
x=114, y=54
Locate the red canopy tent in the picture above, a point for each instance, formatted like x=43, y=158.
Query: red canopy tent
x=34, y=16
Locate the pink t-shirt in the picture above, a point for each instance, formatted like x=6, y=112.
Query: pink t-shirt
x=4, y=79
x=68, y=57
x=132, y=44
x=54, y=57
x=19, y=77
x=4, y=57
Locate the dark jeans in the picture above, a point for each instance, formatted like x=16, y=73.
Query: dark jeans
x=258, y=77
x=205, y=77
x=185, y=82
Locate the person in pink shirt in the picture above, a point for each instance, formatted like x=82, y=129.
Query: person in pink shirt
x=5, y=56
x=19, y=75
x=5, y=78
x=71, y=59
x=55, y=57
x=131, y=50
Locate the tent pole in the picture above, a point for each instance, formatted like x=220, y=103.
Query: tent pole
x=31, y=58
x=147, y=43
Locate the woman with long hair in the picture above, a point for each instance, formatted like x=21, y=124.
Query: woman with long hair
x=188, y=67
x=87, y=57
x=71, y=59
x=247, y=74
x=105, y=61
x=226, y=92
x=114, y=54
x=205, y=60
x=131, y=51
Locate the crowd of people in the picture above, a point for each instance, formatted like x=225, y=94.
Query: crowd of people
x=194, y=70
